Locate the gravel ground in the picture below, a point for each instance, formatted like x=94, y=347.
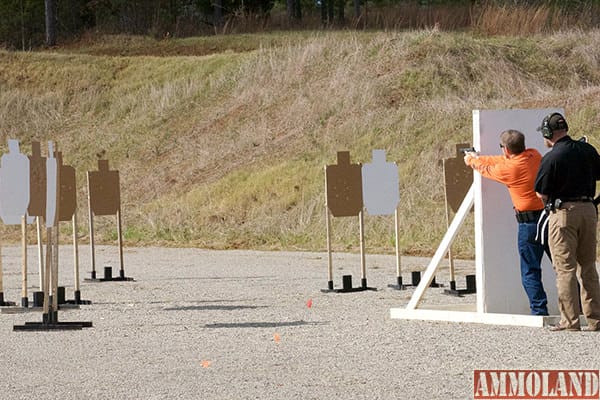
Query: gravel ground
x=198, y=324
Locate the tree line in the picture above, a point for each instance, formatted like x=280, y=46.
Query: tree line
x=26, y=24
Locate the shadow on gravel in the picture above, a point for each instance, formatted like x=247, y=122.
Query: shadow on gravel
x=209, y=278
x=212, y=307
x=262, y=324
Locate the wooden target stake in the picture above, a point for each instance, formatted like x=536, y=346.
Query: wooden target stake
x=24, y=296
x=91, y=225
x=76, y=261
x=2, y=302
x=450, y=258
x=40, y=246
x=120, y=244
x=47, y=318
x=1, y=280
x=397, y=233
x=54, y=282
x=328, y=230
x=363, y=262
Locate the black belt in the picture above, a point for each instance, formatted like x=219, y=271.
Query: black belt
x=528, y=216
x=576, y=199
x=557, y=204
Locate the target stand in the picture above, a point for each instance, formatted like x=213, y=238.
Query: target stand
x=415, y=280
x=470, y=289
x=347, y=279
x=4, y=303
x=104, y=198
x=347, y=286
x=50, y=302
x=50, y=322
x=50, y=286
x=77, y=299
x=344, y=198
x=37, y=303
x=108, y=277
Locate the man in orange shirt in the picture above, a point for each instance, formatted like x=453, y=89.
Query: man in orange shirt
x=517, y=168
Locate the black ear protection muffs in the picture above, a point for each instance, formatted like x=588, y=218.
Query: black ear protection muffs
x=558, y=124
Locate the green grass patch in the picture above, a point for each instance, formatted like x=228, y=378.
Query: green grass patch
x=221, y=141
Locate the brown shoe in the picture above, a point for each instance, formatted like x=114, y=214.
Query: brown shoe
x=560, y=327
x=591, y=329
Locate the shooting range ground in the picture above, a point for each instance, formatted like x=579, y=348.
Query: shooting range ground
x=237, y=325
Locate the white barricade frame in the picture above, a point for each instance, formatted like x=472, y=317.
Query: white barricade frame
x=500, y=298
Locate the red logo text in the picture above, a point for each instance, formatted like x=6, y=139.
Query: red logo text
x=536, y=384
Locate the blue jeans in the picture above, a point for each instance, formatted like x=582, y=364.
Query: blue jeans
x=531, y=255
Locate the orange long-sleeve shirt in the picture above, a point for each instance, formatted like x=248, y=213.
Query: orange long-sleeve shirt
x=517, y=173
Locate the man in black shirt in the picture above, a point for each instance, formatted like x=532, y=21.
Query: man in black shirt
x=566, y=182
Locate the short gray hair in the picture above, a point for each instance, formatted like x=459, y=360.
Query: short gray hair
x=513, y=140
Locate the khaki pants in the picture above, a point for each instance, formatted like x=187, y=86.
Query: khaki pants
x=572, y=241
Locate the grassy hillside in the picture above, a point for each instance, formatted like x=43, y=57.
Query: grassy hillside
x=221, y=141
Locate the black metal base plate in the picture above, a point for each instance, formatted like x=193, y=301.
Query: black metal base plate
x=31, y=308
x=349, y=290
x=458, y=292
x=78, y=302
x=399, y=287
x=406, y=286
x=117, y=278
x=7, y=304
x=54, y=326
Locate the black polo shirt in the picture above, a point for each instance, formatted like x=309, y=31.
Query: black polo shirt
x=570, y=169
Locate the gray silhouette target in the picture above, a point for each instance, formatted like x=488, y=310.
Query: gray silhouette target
x=51, y=187
x=380, y=185
x=14, y=184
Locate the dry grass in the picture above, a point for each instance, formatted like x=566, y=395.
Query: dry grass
x=227, y=150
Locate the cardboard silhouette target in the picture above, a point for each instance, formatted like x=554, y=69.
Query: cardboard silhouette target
x=104, y=188
x=458, y=178
x=344, y=187
x=343, y=198
x=68, y=190
x=37, y=182
x=500, y=296
x=104, y=198
x=37, y=199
